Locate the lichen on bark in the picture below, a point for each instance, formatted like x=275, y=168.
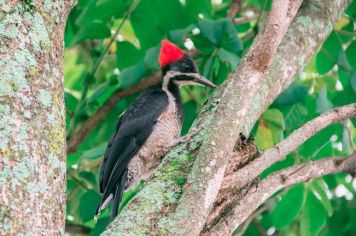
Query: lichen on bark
x=32, y=128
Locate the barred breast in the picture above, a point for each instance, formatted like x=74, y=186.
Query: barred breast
x=164, y=134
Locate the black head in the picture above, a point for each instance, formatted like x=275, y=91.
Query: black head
x=184, y=65
x=174, y=61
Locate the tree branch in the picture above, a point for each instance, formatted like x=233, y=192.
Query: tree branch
x=262, y=190
x=208, y=171
x=255, y=214
x=281, y=150
x=32, y=146
x=302, y=40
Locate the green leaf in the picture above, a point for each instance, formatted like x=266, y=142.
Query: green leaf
x=274, y=121
x=318, y=187
x=221, y=33
x=71, y=102
x=153, y=19
x=351, y=9
x=178, y=36
x=288, y=162
x=87, y=205
x=353, y=81
x=263, y=137
x=190, y=113
x=350, y=54
x=151, y=58
x=95, y=30
x=194, y=8
x=100, y=226
x=101, y=11
x=328, y=54
x=274, y=117
x=127, y=54
x=313, y=217
x=88, y=177
x=100, y=95
x=270, y=129
x=95, y=152
x=294, y=93
x=346, y=142
x=347, y=96
x=72, y=159
x=295, y=116
x=322, y=102
x=338, y=223
x=229, y=57
x=131, y=75
x=319, y=145
x=288, y=207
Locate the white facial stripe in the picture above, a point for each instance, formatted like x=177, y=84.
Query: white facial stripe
x=171, y=74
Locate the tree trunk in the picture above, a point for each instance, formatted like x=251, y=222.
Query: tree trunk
x=32, y=117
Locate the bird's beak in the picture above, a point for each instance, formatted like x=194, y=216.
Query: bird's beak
x=203, y=81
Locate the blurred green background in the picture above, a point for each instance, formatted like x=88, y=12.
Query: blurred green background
x=111, y=45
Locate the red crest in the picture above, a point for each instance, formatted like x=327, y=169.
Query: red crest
x=169, y=53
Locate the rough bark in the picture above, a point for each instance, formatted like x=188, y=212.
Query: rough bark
x=238, y=183
x=281, y=150
x=312, y=25
x=262, y=190
x=149, y=213
x=204, y=181
x=32, y=127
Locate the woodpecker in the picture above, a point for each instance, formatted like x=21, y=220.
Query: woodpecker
x=148, y=127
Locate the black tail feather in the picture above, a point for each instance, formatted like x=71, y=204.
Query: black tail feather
x=118, y=195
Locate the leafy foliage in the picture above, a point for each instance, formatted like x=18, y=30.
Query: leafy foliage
x=112, y=45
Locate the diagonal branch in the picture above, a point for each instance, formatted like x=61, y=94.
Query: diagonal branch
x=281, y=150
x=202, y=187
x=298, y=46
x=264, y=189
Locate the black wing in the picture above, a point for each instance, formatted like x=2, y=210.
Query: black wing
x=133, y=129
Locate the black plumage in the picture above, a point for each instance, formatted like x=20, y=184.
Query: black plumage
x=132, y=130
